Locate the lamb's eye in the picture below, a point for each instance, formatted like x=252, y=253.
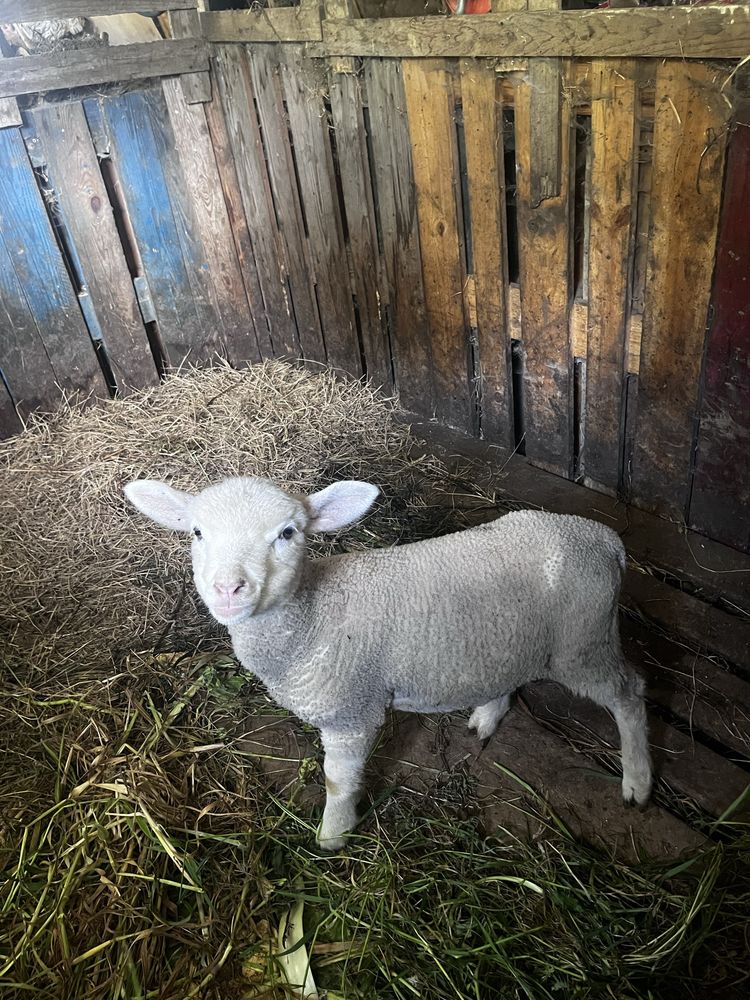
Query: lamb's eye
x=288, y=532
x=197, y=532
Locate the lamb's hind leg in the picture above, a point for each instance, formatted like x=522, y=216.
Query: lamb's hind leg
x=485, y=718
x=621, y=691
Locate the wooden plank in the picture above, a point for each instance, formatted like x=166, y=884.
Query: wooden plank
x=304, y=86
x=356, y=185
x=41, y=273
x=197, y=86
x=281, y=24
x=720, y=503
x=430, y=109
x=704, y=626
x=204, y=197
x=240, y=232
x=40, y=10
x=719, y=32
x=9, y=113
x=74, y=172
x=101, y=64
x=237, y=96
x=403, y=295
x=264, y=68
x=543, y=237
x=482, y=116
x=689, y=141
x=23, y=358
x=143, y=153
x=613, y=152
x=544, y=80
x=10, y=422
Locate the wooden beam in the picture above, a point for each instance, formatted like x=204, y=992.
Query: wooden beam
x=18, y=11
x=668, y=32
x=9, y=112
x=280, y=24
x=544, y=81
x=102, y=64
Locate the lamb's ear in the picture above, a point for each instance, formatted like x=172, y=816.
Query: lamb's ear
x=161, y=503
x=340, y=504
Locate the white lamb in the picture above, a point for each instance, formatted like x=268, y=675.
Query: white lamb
x=449, y=623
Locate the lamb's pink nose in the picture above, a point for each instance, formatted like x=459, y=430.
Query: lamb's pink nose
x=230, y=590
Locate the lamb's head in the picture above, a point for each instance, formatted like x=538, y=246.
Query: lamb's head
x=248, y=536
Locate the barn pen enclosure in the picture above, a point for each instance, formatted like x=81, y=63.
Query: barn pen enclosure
x=489, y=262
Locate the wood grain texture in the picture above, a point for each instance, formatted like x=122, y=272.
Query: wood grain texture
x=671, y=32
x=42, y=277
x=40, y=10
x=304, y=87
x=720, y=503
x=281, y=24
x=144, y=155
x=613, y=176
x=237, y=97
x=356, y=185
x=430, y=108
x=204, y=195
x=544, y=112
x=267, y=85
x=74, y=173
x=243, y=246
x=543, y=236
x=197, y=86
x=689, y=141
x=403, y=293
x=482, y=116
x=9, y=112
x=102, y=64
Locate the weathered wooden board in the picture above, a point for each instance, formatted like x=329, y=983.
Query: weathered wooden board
x=356, y=187
x=282, y=24
x=403, y=295
x=240, y=233
x=689, y=140
x=196, y=86
x=40, y=10
x=720, y=503
x=673, y=32
x=544, y=81
x=264, y=68
x=233, y=74
x=101, y=64
x=144, y=155
x=482, y=116
x=430, y=107
x=204, y=197
x=42, y=282
x=613, y=126
x=9, y=112
x=544, y=238
x=75, y=176
x=10, y=422
x=304, y=87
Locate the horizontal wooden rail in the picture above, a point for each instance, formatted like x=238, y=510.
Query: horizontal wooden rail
x=280, y=24
x=665, y=32
x=101, y=64
x=17, y=11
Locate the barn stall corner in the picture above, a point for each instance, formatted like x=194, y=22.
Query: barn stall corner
x=489, y=262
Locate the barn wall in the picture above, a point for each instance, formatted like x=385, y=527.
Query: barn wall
x=522, y=249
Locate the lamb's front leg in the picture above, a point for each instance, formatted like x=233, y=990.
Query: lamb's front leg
x=344, y=765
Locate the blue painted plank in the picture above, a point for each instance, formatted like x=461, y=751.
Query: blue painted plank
x=36, y=259
x=140, y=149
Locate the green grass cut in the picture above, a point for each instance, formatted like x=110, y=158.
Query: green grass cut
x=142, y=852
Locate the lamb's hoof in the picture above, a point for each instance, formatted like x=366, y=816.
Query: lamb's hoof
x=636, y=793
x=331, y=843
x=484, y=723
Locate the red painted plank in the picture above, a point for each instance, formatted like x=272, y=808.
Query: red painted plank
x=720, y=504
